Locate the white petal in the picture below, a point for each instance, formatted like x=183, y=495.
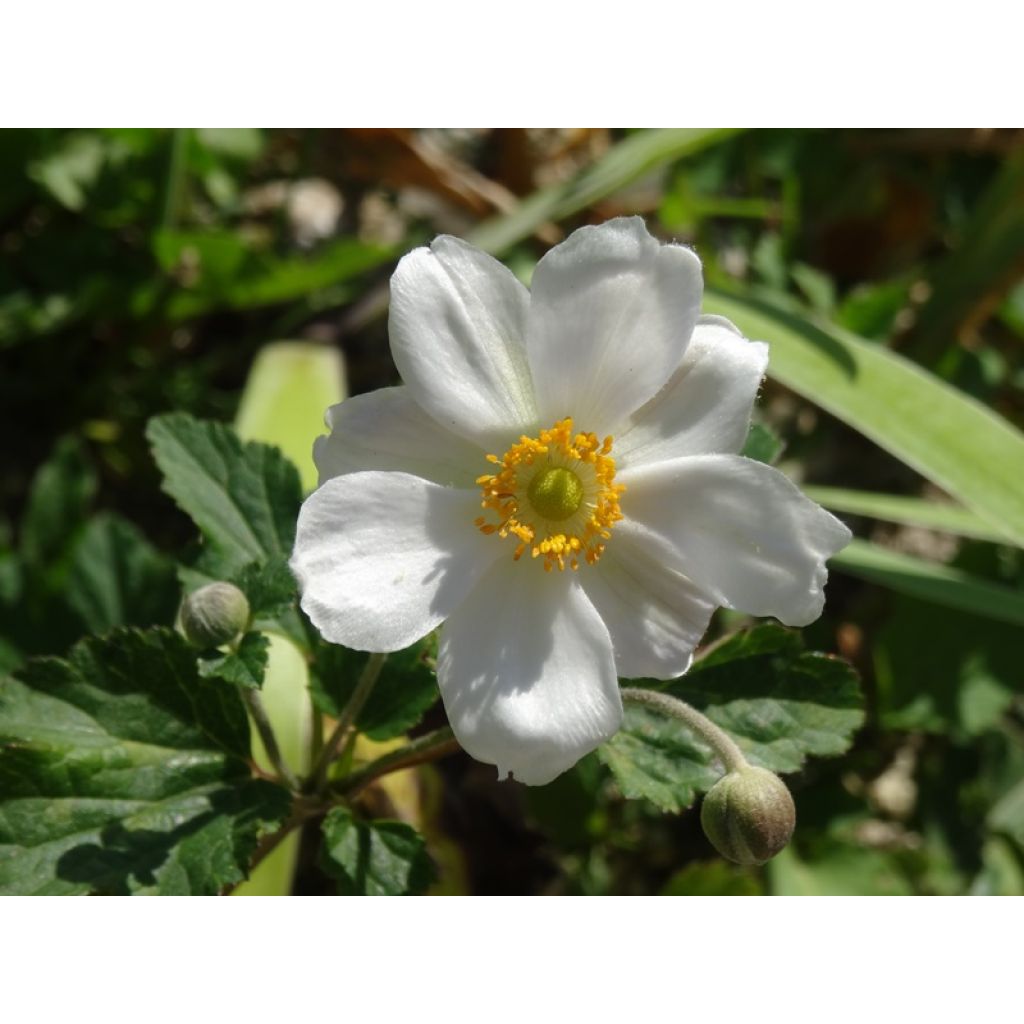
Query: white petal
x=458, y=327
x=527, y=674
x=740, y=530
x=705, y=408
x=383, y=558
x=387, y=430
x=611, y=313
x=656, y=617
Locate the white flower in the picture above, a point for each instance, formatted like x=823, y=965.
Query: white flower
x=557, y=484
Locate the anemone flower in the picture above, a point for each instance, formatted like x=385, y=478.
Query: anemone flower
x=557, y=487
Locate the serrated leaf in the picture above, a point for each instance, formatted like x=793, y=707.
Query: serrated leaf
x=124, y=772
x=243, y=667
x=656, y=758
x=406, y=688
x=780, y=704
x=374, y=858
x=269, y=588
x=243, y=497
x=117, y=578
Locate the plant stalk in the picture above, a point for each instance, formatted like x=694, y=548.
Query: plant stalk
x=719, y=741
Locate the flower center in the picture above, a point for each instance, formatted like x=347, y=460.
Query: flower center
x=555, y=494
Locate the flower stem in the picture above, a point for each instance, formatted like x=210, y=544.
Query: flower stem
x=722, y=744
x=367, y=681
x=430, y=747
x=266, y=731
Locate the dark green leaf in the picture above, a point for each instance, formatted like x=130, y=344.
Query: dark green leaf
x=778, y=702
x=243, y=497
x=374, y=858
x=244, y=667
x=58, y=503
x=124, y=772
x=405, y=690
x=269, y=588
x=713, y=878
x=939, y=669
x=117, y=578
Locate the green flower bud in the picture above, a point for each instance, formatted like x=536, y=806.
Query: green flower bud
x=748, y=815
x=214, y=615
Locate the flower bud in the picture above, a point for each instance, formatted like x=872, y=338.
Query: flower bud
x=214, y=615
x=748, y=815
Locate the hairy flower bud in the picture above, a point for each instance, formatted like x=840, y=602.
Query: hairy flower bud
x=214, y=615
x=748, y=815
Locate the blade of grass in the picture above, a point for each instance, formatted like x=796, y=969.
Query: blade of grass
x=623, y=163
x=956, y=442
x=940, y=584
x=895, y=508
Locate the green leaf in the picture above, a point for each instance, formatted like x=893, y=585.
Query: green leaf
x=117, y=578
x=713, y=878
x=243, y=497
x=628, y=160
x=896, y=508
x=269, y=588
x=938, y=669
x=374, y=858
x=839, y=869
x=244, y=667
x=62, y=491
x=124, y=772
x=778, y=702
x=406, y=688
x=655, y=758
x=762, y=444
x=968, y=450
x=940, y=584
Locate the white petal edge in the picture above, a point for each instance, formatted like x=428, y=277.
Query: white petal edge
x=705, y=408
x=611, y=313
x=527, y=674
x=387, y=430
x=383, y=558
x=457, y=327
x=655, y=615
x=742, y=531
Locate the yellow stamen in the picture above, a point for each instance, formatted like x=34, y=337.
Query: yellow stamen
x=555, y=494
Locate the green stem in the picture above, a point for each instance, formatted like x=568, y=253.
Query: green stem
x=270, y=745
x=176, y=173
x=722, y=744
x=360, y=695
x=434, y=745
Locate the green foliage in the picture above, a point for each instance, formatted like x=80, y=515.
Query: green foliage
x=244, y=498
x=967, y=449
x=125, y=772
x=406, y=688
x=779, y=702
x=374, y=858
x=245, y=666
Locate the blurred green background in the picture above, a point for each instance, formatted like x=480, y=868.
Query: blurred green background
x=146, y=270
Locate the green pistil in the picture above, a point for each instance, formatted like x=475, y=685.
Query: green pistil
x=555, y=493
